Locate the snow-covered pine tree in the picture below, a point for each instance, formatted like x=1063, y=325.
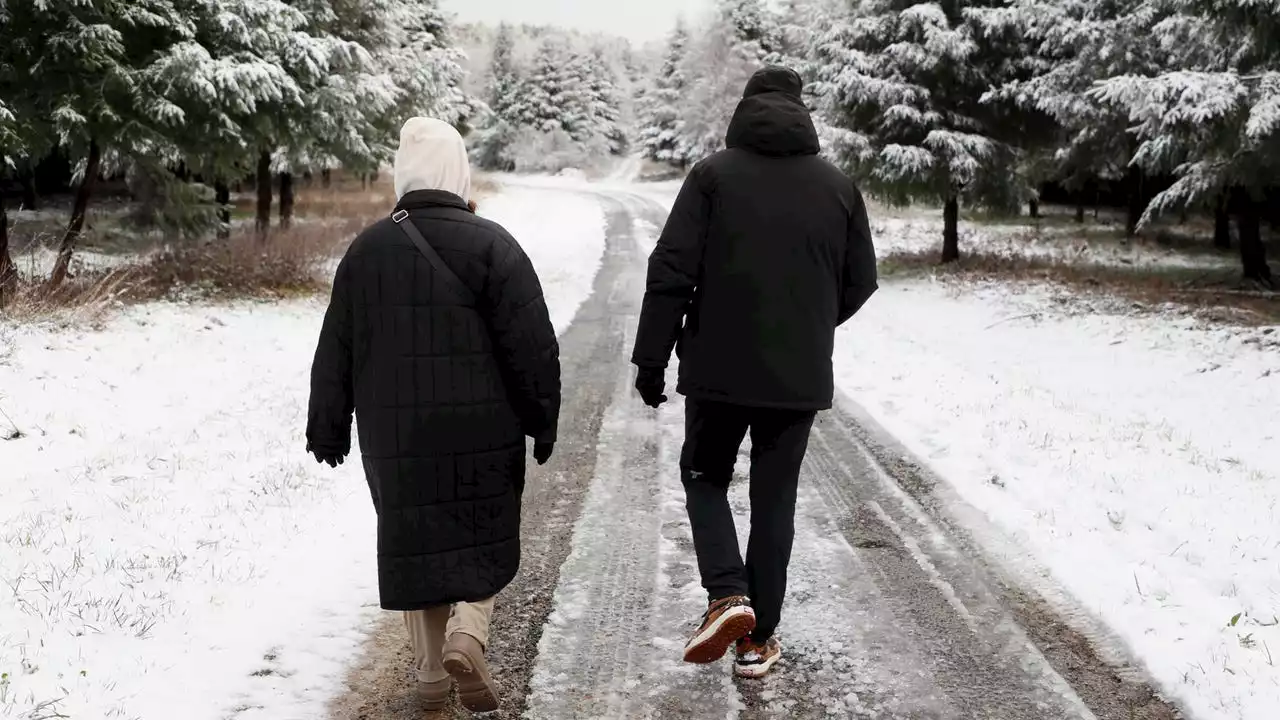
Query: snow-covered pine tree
x=23, y=136
x=86, y=67
x=604, y=102
x=426, y=66
x=548, y=89
x=230, y=80
x=799, y=24
x=505, y=103
x=1215, y=121
x=557, y=92
x=908, y=99
x=659, y=114
x=1072, y=45
x=753, y=26
x=13, y=149
x=504, y=77
x=344, y=121
x=739, y=41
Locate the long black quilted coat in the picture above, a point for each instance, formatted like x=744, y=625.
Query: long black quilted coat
x=444, y=395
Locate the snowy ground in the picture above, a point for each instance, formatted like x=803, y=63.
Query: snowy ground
x=914, y=230
x=164, y=540
x=1136, y=458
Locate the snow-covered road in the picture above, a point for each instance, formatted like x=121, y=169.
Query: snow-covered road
x=890, y=615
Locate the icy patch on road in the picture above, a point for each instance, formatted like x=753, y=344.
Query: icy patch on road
x=646, y=234
x=1135, y=457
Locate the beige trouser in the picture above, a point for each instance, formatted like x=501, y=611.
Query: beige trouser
x=429, y=629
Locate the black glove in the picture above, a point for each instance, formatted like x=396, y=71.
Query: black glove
x=650, y=382
x=325, y=456
x=542, y=451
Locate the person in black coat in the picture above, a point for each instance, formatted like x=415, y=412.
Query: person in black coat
x=766, y=252
x=447, y=355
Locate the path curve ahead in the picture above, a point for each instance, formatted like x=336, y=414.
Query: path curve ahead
x=892, y=612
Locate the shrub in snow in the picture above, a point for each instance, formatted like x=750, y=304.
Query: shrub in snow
x=534, y=151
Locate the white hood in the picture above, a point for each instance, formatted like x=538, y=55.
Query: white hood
x=432, y=156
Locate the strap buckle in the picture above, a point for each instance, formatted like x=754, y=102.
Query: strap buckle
x=399, y=215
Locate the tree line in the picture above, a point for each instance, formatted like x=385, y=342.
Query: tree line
x=984, y=103
x=554, y=99
x=198, y=95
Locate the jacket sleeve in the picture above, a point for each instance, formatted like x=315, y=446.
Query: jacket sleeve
x=524, y=341
x=332, y=398
x=674, y=270
x=859, y=280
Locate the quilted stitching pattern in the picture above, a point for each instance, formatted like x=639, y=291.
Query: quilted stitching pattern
x=444, y=395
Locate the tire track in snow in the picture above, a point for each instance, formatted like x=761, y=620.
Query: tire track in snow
x=593, y=356
x=981, y=660
x=846, y=654
x=1064, y=651
x=629, y=591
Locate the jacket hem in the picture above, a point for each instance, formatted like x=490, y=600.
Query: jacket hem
x=705, y=395
x=446, y=599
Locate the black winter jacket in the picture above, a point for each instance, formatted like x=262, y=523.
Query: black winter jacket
x=444, y=395
x=766, y=252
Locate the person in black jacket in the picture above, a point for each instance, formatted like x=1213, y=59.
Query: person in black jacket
x=766, y=252
x=447, y=356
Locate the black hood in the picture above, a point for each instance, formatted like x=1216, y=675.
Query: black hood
x=772, y=118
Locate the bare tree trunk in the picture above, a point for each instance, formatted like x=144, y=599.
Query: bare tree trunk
x=263, y=222
x=1034, y=209
x=1136, y=202
x=1253, y=254
x=951, y=230
x=326, y=177
x=364, y=181
x=222, y=196
x=1221, y=224
x=1080, y=212
x=30, y=199
x=78, y=211
x=8, y=275
x=286, y=200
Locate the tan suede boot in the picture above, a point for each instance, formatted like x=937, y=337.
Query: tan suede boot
x=435, y=695
x=464, y=659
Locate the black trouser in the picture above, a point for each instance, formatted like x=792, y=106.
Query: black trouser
x=713, y=434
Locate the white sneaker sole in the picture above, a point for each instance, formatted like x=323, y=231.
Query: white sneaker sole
x=711, y=644
x=757, y=670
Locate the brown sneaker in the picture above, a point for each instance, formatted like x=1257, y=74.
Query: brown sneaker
x=725, y=623
x=435, y=695
x=754, y=659
x=464, y=659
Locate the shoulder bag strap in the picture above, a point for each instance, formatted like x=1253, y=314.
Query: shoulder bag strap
x=399, y=218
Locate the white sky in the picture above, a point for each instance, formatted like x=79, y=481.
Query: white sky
x=639, y=20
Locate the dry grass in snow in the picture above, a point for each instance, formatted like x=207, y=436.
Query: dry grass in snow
x=167, y=547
